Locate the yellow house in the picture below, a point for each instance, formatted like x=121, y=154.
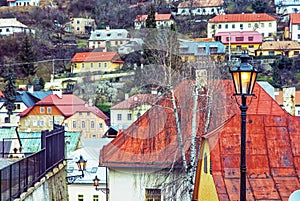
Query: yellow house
x=83, y=62
x=286, y=48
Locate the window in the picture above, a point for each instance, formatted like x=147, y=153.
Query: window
x=83, y=124
x=296, y=52
x=205, y=163
x=105, y=65
x=298, y=26
x=250, y=38
x=80, y=113
x=119, y=117
x=100, y=125
x=241, y=26
x=88, y=113
x=271, y=53
x=262, y=25
x=249, y=25
x=153, y=195
x=270, y=24
x=138, y=115
x=239, y=38
x=263, y=34
x=233, y=26
x=18, y=106
x=27, y=122
x=95, y=197
x=129, y=117
x=251, y=46
x=41, y=123
x=80, y=197
x=220, y=26
x=298, y=112
x=74, y=124
x=49, y=110
x=213, y=26
x=92, y=65
x=201, y=50
x=82, y=65
x=92, y=124
x=213, y=49
x=66, y=125
x=7, y=30
x=42, y=110
x=227, y=38
x=99, y=65
x=78, y=22
x=226, y=26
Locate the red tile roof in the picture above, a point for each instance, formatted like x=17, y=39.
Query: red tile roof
x=242, y=18
x=158, y=17
x=273, y=148
x=93, y=56
x=295, y=18
x=135, y=101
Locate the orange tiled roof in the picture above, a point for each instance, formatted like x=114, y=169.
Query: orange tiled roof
x=242, y=18
x=200, y=4
x=273, y=148
x=93, y=56
x=295, y=18
x=279, y=45
x=158, y=17
x=135, y=101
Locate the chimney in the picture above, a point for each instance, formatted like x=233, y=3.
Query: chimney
x=107, y=28
x=153, y=90
x=57, y=92
x=126, y=96
x=30, y=88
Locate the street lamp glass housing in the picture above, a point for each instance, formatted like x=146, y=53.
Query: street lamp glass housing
x=81, y=163
x=244, y=77
x=96, y=181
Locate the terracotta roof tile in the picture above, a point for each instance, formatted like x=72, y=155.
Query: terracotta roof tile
x=200, y=4
x=295, y=18
x=242, y=18
x=158, y=17
x=93, y=56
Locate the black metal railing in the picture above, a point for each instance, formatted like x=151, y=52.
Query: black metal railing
x=19, y=176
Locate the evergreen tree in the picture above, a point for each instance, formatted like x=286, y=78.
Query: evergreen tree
x=10, y=91
x=27, y=59
x=150, y=21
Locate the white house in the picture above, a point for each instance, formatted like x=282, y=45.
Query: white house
x=126, y=112
x=207, y=7
x=287, y=6
x=295, y=27
x=23, y=2
x=107, y=38
x=261, y=22
x=162, y=20
x=83, y=188
x=10, y=26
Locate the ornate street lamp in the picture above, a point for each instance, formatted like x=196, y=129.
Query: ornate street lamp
x=244, y=77
x=81, y=163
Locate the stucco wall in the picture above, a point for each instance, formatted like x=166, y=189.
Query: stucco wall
x=51, y=187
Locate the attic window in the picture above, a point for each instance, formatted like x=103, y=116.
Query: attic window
x=119, y=34
x=98, y=35
x=108, y=35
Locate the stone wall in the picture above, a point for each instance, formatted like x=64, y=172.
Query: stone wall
x=52, y=187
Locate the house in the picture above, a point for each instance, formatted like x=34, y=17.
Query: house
x=207, y=7
x=133, y=45
x=123, y=114
x=144, y=160
x=191, y=51
x=82, y=188
x=107, y=39
x=261, y=22
x=272, y=152
x=162, y=20
x=289, y=99
x=238, y=41
x=96, y=62
x=79, y=25
x=11, y=26
x=67, y=110
x=286, y=48
x=294, y=27
x=287, y=6
x=23, y=2
x=24, y=100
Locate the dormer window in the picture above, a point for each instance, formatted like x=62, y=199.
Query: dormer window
x=108, y=35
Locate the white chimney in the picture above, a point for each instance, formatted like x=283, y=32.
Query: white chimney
x=126, y=96
x=30, y=88
x=57, y=92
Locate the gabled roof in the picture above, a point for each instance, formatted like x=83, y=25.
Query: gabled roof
x=109, y=34
x=67, y=104
x=242, y=18
x=11, y=22
x=94, y=110
x=158, y=17
x=151, y=141
x=200, y=4
x=135, y=101
x=93, y=56
x=295, y=18
x=280, y=45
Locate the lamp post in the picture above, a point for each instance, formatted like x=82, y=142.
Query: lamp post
x=96, y=184
x=81, y=163
x=244, y=77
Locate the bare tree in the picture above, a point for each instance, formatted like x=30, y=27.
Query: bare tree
x=192, y=110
